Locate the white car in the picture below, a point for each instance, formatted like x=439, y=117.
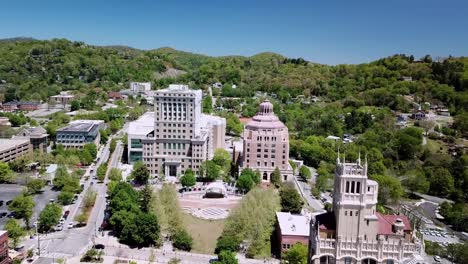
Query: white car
x=437, y=258
x=70, y=225
x=58, y=228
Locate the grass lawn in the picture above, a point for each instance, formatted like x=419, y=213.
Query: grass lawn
x=204, y=233
x=435, y=146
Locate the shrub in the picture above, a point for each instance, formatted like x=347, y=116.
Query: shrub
x=182, y=240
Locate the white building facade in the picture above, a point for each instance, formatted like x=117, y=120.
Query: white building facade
x=181, y=138
x=140, y=87
x=355, y=232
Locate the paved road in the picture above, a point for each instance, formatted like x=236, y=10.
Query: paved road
x=305, y=190
x=75, y=241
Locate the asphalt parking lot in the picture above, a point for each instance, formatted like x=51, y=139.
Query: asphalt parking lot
x=10, y=191
x=7, y=192
x=441, y=237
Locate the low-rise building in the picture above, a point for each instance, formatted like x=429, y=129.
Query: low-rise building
x=418, y=115
x=11, y=149
x=443, y=112
x=140, y=87
x=115, y=95
x=20, y=105
x=50, y=173
x=139, y=130
x=4, y=121
x=80, y=132
x=291, y=229
x=10, y=106
x=64, y=98
x=37, y=136
x=4, y=258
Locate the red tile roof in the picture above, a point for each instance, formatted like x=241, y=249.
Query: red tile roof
x=386, y=223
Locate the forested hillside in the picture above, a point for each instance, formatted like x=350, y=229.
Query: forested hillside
x=362, y=100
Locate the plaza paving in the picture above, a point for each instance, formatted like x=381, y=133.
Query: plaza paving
x=208, y=208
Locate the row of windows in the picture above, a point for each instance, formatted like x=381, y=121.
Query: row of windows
x=351, y=213
x=173, y=136
x=174, y=146
x=70, y=141
x=266, y=138
x=175, y=119
x=266, y=163
x=175, y=99
x=174, y=131
x=355, y=187
x=173, y=125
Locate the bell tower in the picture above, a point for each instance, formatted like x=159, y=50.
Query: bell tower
x=355, y=199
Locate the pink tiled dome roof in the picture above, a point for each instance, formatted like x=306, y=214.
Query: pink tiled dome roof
x=265, y=118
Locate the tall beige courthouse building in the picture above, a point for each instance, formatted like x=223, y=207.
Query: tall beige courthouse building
x=355, y=233
x=176, y=136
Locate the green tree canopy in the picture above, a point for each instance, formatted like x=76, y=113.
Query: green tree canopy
x=305, y=173
x=49, y=217
x=291, y=201
x=296, y=254
x=6, y=173
x=390, y=189
x=35, y=186
x=275, y=177
x=23, y=206
x=226, y=257
x=15, y=231
x=210, y=170
x=140, y=173
x=188, y=179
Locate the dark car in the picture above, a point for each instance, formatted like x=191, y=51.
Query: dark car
x=3, y=214
x=9, y=202
x=12, y=215
x=99, y=246
x=1, y=202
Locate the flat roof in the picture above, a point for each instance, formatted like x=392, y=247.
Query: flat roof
x=293, y=225
x=143, y=125
x=2, y=232
x=11, y=143
x=80, y=126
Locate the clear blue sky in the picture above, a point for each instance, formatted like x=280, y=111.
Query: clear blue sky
x=324, y=31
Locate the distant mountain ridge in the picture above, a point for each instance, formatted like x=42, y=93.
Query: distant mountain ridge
x=36, y=69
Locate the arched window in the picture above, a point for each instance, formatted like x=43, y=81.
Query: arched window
x=265, y=176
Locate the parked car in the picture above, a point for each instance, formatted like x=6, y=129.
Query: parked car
x=1, y=202
x=3, y=214
x=9, y=202
x=70, y=225
x=437, y=258
x=11, y=215
x=99, y=246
